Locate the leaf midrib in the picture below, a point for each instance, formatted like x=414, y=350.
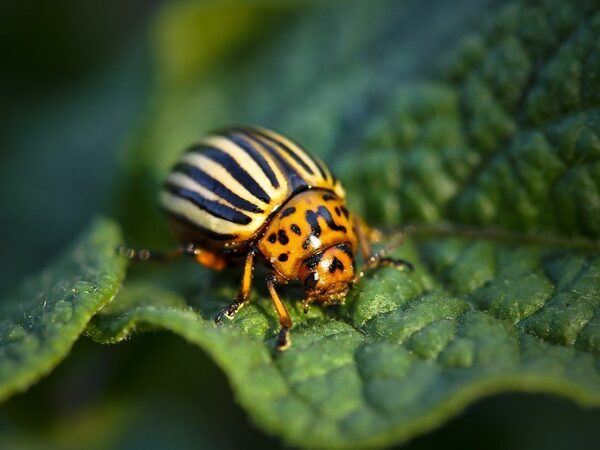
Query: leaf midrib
x=497, y=234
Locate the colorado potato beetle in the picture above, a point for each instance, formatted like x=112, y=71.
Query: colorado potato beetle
x=249, y=193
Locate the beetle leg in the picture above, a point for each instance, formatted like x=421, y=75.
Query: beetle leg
x=362, y=232
x=283, y=339
x=145, y=254
x=378, y=260
x=244, y=293
x=367, y=235
x=202, y=257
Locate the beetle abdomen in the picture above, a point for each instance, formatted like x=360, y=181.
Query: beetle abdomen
x=227, y=186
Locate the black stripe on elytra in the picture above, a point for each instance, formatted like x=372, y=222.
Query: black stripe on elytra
x=256, y=156
x=286, y=148
x=286, y=212
x=200, y=229
x=295, y=180
x=320, y=164
x=322, y=170
x=203, y=179
x=235, y=170
x=312, y=218
x=212, y=207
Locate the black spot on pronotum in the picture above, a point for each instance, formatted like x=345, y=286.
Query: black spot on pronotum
x=335, y=265
x=296, y=229
x=328, y=197
x=312, y=219
x=288, y=211
x=283, y=257
x=283, y=237
x=272, y=238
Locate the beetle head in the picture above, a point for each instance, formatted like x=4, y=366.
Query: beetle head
x=327, y=275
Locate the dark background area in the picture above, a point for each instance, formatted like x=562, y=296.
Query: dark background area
x=75, y=80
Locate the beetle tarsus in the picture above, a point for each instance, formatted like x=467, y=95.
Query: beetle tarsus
x=283, y=339
x=229, y=312
x=400, y=264
x=145, y=254
x=135, y=255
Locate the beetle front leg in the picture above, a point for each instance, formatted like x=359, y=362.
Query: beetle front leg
x=283, y=338
x=244, y=293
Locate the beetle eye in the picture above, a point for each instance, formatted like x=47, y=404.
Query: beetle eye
x=311, y=280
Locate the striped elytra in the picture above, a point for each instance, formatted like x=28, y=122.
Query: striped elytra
x=249, y=194
x=227, y=185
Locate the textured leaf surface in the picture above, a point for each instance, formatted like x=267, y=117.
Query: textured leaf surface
x=495, y=158
x=42, y=320
x=405, y=353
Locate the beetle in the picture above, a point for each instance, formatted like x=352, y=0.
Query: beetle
x=247, y=193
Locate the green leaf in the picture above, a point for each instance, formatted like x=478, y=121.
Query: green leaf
x=507, y=136
x=403, y=355
x=493, y=154
x=42, y=320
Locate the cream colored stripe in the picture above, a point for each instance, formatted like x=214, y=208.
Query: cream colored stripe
x=204, y=219
x=325, y=167
x=283, y=190
x=296, y=149
x=184, y=181
x=303, y=173
x=218, y=172
x=243, y=159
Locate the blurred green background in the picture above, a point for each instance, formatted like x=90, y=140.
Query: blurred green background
x=75, y=80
